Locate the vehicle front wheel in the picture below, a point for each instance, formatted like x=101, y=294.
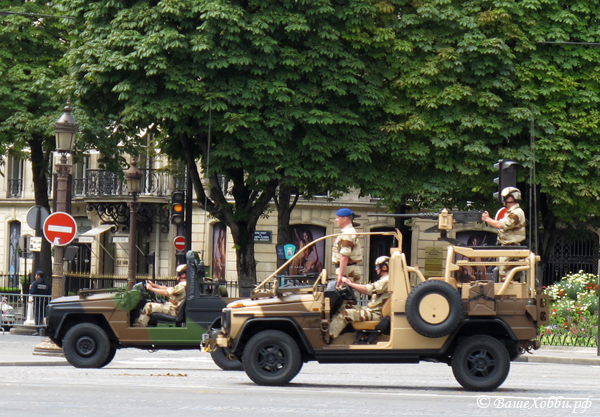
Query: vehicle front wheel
x=221, y=358
x=86, y=345
x=480, y=363
x=271, y=358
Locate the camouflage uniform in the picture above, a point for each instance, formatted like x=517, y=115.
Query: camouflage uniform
x=176, y=297
x=512, y=233
x=348, y=245
x=379, y=293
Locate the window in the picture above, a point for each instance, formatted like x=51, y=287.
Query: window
x=15, y=177
x=80, y=175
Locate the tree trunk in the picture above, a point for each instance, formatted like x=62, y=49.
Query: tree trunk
x=241, y=216
x=246, y=264
x=39, y=166
x=284, y=213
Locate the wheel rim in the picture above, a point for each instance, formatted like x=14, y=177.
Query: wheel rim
x=86, y=346
x=434, y=309
x=271, y=359
x=481, y=364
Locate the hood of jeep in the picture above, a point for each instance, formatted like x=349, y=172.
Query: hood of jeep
x=263, y=302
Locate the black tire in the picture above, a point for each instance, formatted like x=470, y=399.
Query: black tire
x=86, y=345
x=271, y=358
x=480, y=363
x=434, y=322
x=221, y=358
x=111, y=355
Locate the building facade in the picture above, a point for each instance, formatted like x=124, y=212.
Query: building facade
x=99, y=204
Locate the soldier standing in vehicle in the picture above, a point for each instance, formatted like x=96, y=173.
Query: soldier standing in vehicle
x=379, y=293
x=176, y=296
x=347, y=251
x=511, y=228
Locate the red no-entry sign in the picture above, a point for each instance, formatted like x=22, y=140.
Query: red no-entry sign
x=179, y=243
x=60, y=228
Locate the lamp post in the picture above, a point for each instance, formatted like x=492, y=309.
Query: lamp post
x=65, y=130
x=133, y=175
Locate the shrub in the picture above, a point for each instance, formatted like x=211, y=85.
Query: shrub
x=573, y=306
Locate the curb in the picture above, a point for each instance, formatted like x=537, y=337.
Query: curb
x=557, y=360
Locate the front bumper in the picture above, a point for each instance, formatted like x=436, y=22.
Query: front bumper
x=213, y=340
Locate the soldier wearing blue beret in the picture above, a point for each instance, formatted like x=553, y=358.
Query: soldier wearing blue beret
x=347, y=251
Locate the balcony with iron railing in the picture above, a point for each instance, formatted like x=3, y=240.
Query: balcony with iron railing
x=101, y=183
x=15, y=188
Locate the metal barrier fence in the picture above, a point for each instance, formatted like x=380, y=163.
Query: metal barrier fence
x=22, y=309
x=75, y=283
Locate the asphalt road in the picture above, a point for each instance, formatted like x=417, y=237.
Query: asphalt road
x=138, y=383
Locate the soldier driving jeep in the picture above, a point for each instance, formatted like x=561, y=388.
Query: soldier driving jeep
x=373, y=311
x=176, y=296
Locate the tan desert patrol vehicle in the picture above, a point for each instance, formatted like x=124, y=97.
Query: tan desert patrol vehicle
x=92, y=326
x=477, y=327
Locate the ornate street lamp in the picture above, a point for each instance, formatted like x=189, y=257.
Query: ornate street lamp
x=133, y=175
x=65, y=130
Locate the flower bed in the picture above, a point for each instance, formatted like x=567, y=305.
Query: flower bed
x=573, y=311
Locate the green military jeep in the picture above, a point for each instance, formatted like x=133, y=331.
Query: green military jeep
x=476, y=327
x=91, y=326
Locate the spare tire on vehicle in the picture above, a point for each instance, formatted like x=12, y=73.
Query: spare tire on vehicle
x=434, y=308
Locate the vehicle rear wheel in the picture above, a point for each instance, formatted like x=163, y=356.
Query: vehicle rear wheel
x=271, y=358
x=221, y=358
x=434, y=308
x=480, y=363
x=86, y=345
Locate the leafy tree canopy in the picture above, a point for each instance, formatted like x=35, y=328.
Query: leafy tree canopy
x=289, y=89
x=473, y=80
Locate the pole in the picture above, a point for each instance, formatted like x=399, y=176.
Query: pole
x=132, y=242
x=188, y=212
x=62, y=179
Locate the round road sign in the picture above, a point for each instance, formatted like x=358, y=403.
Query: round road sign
x=179, y=243
x=60, y=228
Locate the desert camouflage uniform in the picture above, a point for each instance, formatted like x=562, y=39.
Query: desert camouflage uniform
x=512, y=233
x=379, y=293
x=348, y=245
x=176, y=297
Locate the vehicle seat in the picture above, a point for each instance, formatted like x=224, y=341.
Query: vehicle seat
x=372, y=325
x=179, y=320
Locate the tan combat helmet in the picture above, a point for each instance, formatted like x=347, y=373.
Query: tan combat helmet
x=514, y=192
x=382, y=260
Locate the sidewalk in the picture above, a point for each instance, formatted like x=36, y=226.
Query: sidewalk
x=17, y=350
x=564, y=355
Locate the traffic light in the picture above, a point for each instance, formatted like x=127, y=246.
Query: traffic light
x=507, y=176
x=177, y=207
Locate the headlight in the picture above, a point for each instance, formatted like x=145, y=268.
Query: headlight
x=226, y=320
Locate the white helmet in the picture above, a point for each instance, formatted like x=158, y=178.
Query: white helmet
x=181, y=269
x=382, y=260
x=514, y=192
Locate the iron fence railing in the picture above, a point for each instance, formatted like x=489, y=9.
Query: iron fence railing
x=15, y=188
x=101, y=183
x=569, y=340
x=74, y=283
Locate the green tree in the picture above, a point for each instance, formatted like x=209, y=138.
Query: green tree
x=471, y=83
x=289, y=90
x=32, y=47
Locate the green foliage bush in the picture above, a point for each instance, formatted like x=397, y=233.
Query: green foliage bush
x=573, y=306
